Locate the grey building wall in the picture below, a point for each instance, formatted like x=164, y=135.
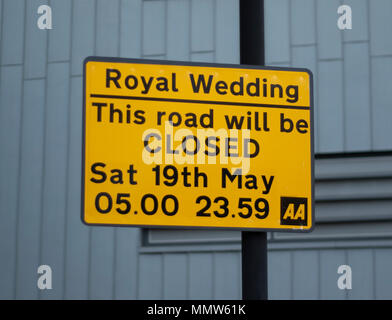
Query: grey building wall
x=351, y=67
x=40, y=145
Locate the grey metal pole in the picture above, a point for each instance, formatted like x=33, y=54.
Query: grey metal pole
x=254, y=244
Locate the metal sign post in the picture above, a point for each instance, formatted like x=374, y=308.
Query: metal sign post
x=254, y=244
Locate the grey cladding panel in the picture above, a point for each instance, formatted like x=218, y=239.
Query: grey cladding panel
x=227, y=276
x=227, y=33
x=328, y=35
x=154, y=28
x=380, y=21
x=381, y=103
x=101, y=273
x=150, y=277
x=178, y=40
x=83, y=33
x=175, y=268
x=330, y=260
x=55, y=174
x=304, y=272
x=360, y=30
x=10, y=116
x=382, y=273
x=31, y=173
x=280, y=284
x=357, y=97
x=125, y=272
x=77, y=234
x=60, y=34
x=201, y=276
x=361, y=262
x=330, y=107
x=303, y=20
x=12, y=37
x=202, y=25
x=170, y=236
x=130, y=29
x=35, y=43
x=107, y=28
x=276, y=15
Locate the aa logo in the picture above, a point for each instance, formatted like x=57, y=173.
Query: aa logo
x=293, y=211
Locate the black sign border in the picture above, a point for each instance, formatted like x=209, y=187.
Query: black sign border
x=199, y=64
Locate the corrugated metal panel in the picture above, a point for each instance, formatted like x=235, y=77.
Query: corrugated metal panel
x=10, y=124
x=41, y=123
x=60, y=35
x=40, y=143
x=30, y=207
x=83, y=33
x=77, y=234
x=201, y=275
x=305, y=274
x=35, y=43
x=280, y=284
x=12, y=38
x=175, y=275
x=227, y=275
x=330, y=260
x=150, y=277
x=382, y=273
x=54, y=179
x=353, y=201
x=381, y=102
x=362, y=262
x=178, y=40
x=350, y=67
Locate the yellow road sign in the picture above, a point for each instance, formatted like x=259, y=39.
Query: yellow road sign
x=174, y=144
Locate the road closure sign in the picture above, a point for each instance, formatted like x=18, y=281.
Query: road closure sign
x=186, y=145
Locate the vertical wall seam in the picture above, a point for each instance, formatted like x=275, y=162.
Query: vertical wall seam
x=142, y=29
x=370, y=78
x=290, y=34
x=17, y=208
x=344, y=111
x=214, y=36
x=162, y=258
x=44, y=152
x=137, y=278
x=119, y=27
x=90, y=230
x=68, y=151
x=374, y=273
x=292, y=275
x=138, y=245
x=114, y=263
x=141, y=231
x=346, y=293
x=187, y=273
x=318, y=275
x=166, y=27
x=239, y=277
x=190, y=2
x=316, y=103
x=1, y=29
x=115, y=244
x=213, y=283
